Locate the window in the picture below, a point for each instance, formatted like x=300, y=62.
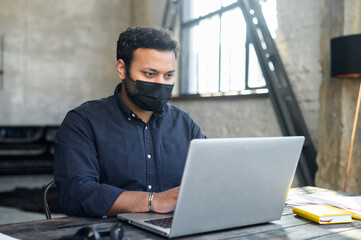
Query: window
x=217, y=57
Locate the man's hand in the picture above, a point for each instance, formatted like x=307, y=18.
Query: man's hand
x=134, y=201
x=164, y=202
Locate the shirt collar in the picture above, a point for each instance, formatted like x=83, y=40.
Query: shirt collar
x=122, y=106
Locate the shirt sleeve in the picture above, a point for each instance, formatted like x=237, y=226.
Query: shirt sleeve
x=76, y=170
x=196, y=130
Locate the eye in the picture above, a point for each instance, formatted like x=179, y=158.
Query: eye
x=169, y=75
x=149, y=74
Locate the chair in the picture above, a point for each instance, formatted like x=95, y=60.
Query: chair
x=45, y=200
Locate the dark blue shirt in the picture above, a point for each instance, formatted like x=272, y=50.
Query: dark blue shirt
x=102, y=149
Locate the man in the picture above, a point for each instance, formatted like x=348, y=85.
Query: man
x=126, y=152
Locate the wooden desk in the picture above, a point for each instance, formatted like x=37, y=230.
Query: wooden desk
x=288, y=227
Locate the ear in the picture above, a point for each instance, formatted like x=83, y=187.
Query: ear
x=121, y=69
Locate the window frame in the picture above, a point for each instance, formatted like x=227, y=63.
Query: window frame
x=184, y=84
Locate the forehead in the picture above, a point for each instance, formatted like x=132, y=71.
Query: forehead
x=152, y=58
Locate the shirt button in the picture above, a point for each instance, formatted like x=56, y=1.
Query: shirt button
x=149, y=156
x=128, y=119
x=149, y=187
x=133, y=115
x=146, y=128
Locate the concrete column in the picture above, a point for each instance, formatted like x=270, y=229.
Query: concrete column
x=298, y=37
x=338, y=99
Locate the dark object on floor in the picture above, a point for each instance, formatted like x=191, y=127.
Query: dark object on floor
x=30, y=199
x=116, y=233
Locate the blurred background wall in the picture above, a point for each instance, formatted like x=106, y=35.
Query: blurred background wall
x=57, y=54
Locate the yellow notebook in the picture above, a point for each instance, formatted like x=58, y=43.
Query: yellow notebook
x=323, y=214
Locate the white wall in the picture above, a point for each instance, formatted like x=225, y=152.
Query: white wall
x=239, y=117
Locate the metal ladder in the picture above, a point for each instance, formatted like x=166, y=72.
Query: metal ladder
x=283, y=100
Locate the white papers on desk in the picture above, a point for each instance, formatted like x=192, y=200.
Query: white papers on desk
x=6, y=237
x=350, y=204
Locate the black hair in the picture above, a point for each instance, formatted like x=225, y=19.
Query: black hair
x=143, y=37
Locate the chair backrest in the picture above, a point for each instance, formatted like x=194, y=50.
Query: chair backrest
x=45, y=200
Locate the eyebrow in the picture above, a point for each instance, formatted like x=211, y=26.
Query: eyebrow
x=155, y=70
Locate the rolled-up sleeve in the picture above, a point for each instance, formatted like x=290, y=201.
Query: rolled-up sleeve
x=76, y=170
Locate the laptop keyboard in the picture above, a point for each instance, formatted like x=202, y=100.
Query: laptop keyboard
x=162, y=222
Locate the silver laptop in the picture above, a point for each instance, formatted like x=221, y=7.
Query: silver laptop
x=227, y=183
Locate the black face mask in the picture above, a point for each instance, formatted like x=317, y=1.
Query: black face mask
x=148, y=95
